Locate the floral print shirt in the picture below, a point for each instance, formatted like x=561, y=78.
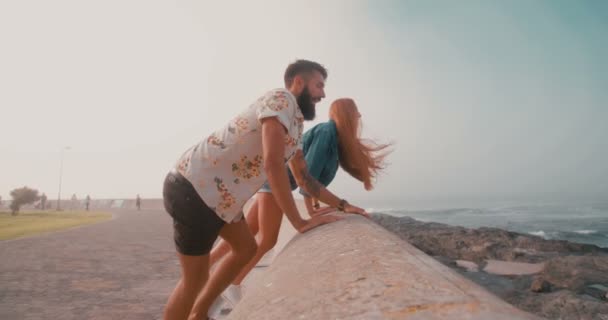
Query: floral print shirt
x=225, y=168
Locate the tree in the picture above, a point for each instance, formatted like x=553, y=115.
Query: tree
x=23, y=196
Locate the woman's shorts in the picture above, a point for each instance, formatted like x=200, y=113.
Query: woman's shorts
x=292, y=181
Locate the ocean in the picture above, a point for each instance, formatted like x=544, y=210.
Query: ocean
x=577, y=223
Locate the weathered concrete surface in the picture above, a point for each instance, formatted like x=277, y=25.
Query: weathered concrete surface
x=354, y=269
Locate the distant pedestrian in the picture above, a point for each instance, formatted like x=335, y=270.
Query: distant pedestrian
x=74, y=202
x=43, y=201
x=87, y=202
x=138, y=202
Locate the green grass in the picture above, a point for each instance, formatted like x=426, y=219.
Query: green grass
x=30, y=223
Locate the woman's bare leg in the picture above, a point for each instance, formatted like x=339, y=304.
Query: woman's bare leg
x=243, y=249
x=222, y=248
x=270, y=216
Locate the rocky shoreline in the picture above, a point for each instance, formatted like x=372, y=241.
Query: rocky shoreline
x=554, y=279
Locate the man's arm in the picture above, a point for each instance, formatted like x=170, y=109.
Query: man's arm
x=315, y=189
x=273, y=144
x=307, y=182
x=315, y=211
x=309, y=206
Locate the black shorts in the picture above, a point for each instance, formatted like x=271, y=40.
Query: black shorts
x=195, y=225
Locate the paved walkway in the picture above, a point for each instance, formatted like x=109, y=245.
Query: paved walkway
x=124, y=268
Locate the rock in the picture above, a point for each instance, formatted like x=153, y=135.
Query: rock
x=597, y=291
x=540, y=285
x=576, y=272
x=563, y=304
x=564, y=278
x=470, y=266
x=512, y=268
x=459, y=243
x=446, y=261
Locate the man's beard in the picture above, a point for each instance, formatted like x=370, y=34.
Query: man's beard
x=306, y=105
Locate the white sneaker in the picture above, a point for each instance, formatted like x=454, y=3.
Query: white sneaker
x=216, y=308
x=232, y=294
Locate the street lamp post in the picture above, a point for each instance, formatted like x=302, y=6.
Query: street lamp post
x=60, y=176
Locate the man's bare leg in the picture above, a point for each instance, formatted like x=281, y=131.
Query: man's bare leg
x=243, y=249
x=195, y=272
x=270, y=216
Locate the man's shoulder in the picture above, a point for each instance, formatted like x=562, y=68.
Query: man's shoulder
x=276, y=100
x=280, y=94
x=279, y=91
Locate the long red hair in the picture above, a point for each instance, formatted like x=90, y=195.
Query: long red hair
x=361, y=158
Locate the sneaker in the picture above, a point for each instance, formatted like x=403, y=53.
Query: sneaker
x=232, y=294
x=216, y=308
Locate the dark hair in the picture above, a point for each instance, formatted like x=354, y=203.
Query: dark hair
x=302, y=66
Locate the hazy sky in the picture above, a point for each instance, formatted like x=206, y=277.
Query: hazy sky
x=483, y=99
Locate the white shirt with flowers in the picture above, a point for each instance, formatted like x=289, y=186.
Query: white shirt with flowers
x=226, y=167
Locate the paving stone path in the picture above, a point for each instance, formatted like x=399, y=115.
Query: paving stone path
x=124, y=268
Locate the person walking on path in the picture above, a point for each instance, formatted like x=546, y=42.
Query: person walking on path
x=43, y=201
x=87, y=202
x=138, y=202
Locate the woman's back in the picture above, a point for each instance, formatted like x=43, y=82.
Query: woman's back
x=320, y=147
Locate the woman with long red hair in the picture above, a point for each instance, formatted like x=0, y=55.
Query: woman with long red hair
x=327, y=146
